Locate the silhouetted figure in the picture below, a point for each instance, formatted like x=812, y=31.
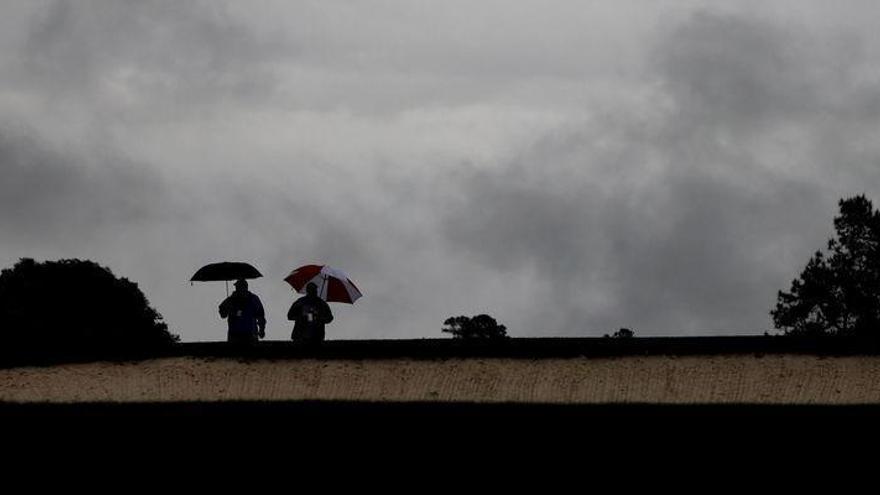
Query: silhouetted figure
x=310, y=313
x=244, y=313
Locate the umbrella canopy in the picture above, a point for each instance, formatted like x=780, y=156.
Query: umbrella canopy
x=225, y=271
x=334, y=285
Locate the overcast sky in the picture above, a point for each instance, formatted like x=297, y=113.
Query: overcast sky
x=568, y=167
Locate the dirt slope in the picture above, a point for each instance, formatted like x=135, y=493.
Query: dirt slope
x=771, y=379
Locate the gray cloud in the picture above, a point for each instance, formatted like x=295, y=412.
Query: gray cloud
x=703, y=246
x=49, y=195
x=569, y=169
x=738, y=72
x=697, y=255
x=158, y=50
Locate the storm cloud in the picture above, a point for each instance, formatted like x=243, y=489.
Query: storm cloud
x=689, y=219
x=47, y=194
x=568, y=168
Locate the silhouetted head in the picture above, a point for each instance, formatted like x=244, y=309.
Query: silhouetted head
x=241, y=284
x=311, y=289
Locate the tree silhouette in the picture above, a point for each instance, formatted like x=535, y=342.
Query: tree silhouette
x=838, y=294
x=73, y=305
x=478, y=327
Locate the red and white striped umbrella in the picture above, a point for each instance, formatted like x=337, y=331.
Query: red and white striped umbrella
x=333, y=284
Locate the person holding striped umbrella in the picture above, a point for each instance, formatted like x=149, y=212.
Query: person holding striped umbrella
x=311, y=312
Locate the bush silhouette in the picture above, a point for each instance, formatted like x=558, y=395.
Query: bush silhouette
x=838, y=294
x=478, y=327
x=73, y=306
x=623, y=333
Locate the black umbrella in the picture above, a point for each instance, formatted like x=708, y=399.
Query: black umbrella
x=226, y=271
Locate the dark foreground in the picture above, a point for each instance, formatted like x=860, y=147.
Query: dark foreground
x=538, y=447
x=432, y=419
x=415, y=444
x=392, y=437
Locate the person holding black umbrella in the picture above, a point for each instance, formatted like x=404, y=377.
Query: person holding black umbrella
x=244, y=313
